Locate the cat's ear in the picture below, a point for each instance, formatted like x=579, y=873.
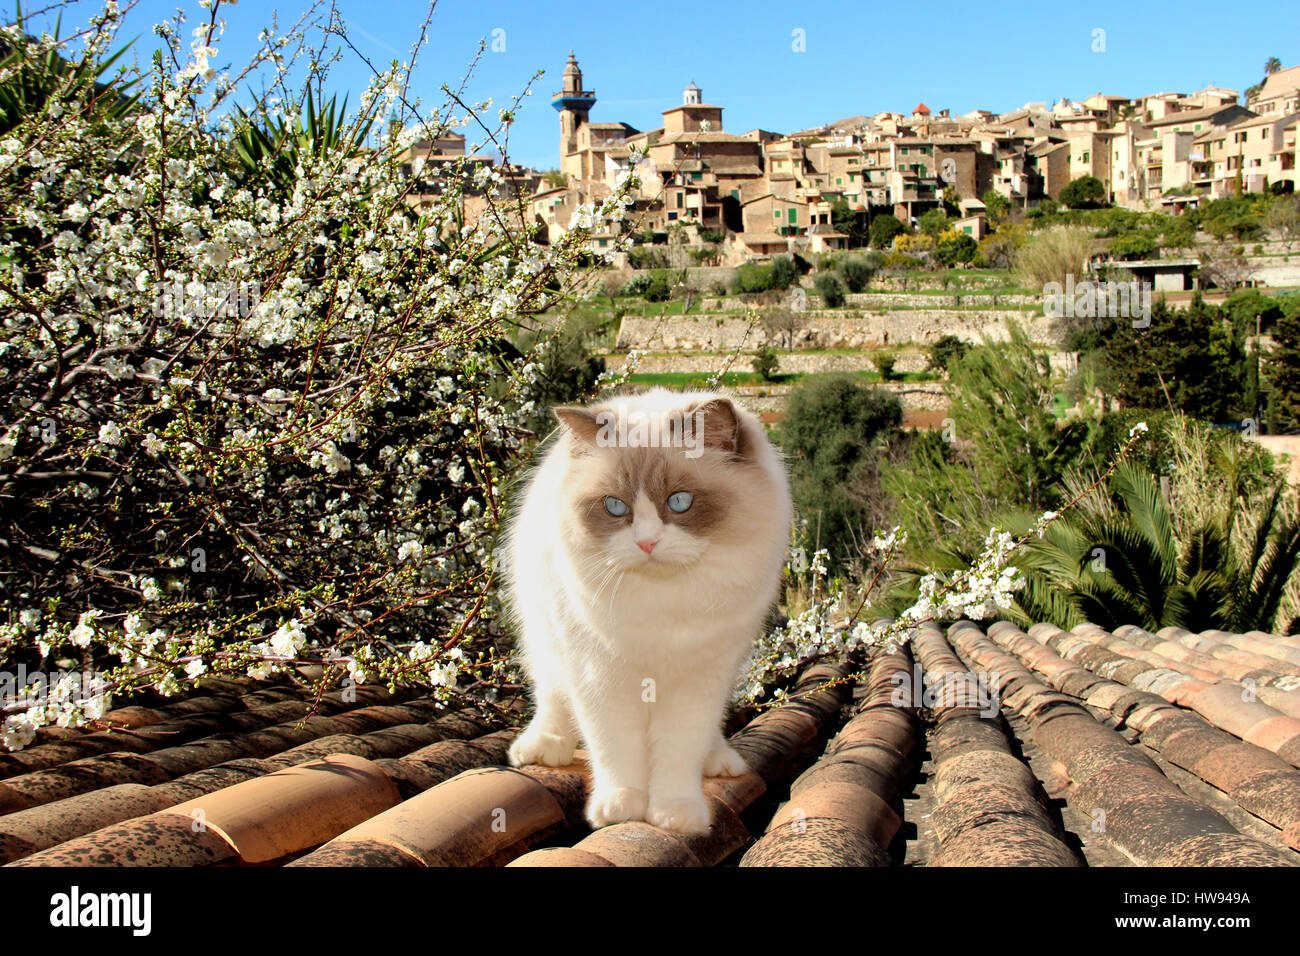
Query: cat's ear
x=580, y=421
x=721, y=425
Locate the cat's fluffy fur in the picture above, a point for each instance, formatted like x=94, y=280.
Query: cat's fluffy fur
x=637, y=652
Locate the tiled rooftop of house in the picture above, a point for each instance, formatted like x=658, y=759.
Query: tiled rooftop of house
x=1107, y=749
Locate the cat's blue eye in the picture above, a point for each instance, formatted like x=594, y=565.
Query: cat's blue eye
x=679, y=501
x=616, y=507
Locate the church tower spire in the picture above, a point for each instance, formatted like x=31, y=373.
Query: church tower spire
x=573, y=104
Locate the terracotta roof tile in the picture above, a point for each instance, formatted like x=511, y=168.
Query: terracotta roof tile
x=639, y=844
x=978, y=804
x=38, y=828
x=1218, y=849
x=1142, y=812
x=159, y=839
x=1274, y=733
x=846, y=795
x=1103, y=721
x=560, y=856
x=1017, y=845
x=1229, y=707
x=470, y=819
x=821, y=842
x=291, y=810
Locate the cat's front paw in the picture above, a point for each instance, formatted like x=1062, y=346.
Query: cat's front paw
x=608, y=805
x=680, y=814
x=539, y=747
x=723, y=761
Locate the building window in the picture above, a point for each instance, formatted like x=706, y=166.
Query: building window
x=604, y=243
x=839, y=181
x=672, y=216
x=791, y=215
x=681, y=200
x=735, y=194
x=776, y=214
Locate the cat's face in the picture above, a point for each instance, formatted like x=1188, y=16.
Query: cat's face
x=652, y=499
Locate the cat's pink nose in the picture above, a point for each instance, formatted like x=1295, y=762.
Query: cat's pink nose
x=646, y=546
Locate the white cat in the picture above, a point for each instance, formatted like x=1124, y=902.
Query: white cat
x=641, y=563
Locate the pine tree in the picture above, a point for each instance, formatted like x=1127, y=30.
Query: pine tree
x=1283, y=371
x=1187, y=359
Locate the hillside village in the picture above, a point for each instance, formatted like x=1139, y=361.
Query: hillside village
x=945, y=203
x=770, y=192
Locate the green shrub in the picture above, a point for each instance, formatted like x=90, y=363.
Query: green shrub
x=766, y=363
x=950, y=252
x=1086, y=192
x=1133, y=245
x=752, y=277
x=934, y=222
x=855, y=272
x=652, y=286
x=884, y=363
x=647, y=257
x=830, y=431
x=784, y=272
x=945, y=351
x=883, y=230
x=902, y=262
x=829, y=288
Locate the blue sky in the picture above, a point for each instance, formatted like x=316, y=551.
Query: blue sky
x=858, y=57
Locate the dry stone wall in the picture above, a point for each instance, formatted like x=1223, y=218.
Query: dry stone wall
x=829, y=329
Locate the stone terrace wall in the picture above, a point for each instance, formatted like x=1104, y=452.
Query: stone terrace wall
x=706, y=363
x=886, y=301
x=832, y=329
x=920, y=396
x=802, y=362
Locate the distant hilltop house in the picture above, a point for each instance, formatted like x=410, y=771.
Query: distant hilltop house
x=767, y=192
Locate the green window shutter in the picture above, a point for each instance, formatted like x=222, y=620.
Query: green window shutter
x=791, y=215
